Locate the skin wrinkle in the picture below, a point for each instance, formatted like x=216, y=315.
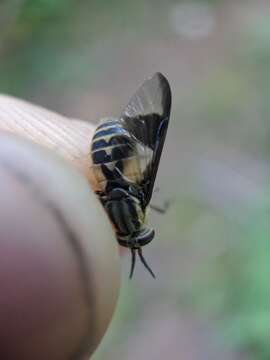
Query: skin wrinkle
x=66, y=133
x=42, y=128
x=34, y=113
x=73, y=241
x=67, y=137
x=28, y=125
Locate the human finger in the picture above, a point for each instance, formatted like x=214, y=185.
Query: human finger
x=59, y=265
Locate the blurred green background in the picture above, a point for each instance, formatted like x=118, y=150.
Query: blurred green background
x=211, y=255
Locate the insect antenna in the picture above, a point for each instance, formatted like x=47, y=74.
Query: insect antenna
x=145, y=263
x=133, y=261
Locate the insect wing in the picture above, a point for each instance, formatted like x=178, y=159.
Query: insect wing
x=146, y=117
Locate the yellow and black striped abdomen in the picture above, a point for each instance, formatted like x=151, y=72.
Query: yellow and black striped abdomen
x=114, y=155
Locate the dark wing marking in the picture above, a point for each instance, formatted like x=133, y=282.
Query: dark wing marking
x=146, y=117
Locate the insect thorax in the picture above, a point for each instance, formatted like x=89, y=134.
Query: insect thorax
x=125, y=212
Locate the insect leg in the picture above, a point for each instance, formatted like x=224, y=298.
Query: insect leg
x=160, y=209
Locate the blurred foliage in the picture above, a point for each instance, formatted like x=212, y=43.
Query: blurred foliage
x=234, y=289
x=58, y=35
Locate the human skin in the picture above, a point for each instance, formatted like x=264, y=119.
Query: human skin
x=59, y=261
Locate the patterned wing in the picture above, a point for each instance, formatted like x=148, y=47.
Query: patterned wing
x=146, y=118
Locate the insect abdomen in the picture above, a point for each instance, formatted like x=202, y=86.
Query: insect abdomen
x=113, y=154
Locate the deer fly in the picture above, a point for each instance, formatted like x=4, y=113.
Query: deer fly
x=125, y=157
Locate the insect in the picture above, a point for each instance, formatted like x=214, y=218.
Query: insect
x=125, y=155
